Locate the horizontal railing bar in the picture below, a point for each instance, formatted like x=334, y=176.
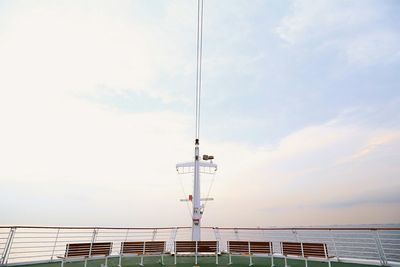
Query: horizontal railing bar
x=32, y=242
x=18, y=247
x=31, y=256
x=354, y=243
x=353, y=238
x=389, y=249
x=26, y=252
x=98, y=228
x=352, y=248
x=52, y=238
x=340, y=252
x=208, y=227
x=309, y=228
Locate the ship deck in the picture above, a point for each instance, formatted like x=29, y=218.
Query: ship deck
x=238, y=261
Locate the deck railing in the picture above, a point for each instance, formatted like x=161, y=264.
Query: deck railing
x=23, y=244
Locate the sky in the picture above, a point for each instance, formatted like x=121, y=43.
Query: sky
x=300, y=108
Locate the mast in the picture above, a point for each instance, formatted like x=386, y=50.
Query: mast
x=196, y=183
x=196, y=165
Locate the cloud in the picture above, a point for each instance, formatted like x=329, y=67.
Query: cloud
x=66, y=142
x=311, y=19
x=386, y=196
x=303, y=174
x=353, y=29
x=374, y=144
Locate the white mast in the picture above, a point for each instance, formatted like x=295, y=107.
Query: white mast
x=194, y=167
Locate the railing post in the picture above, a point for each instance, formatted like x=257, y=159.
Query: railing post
x=218, y=238
x=236, y=233
x=154, y=234
x=294, y=232
x=7, y=248
x=334, y=244
x=55, y=244
x=381, y=253
x=171, y=241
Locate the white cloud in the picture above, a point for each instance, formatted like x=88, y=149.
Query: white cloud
x=304, y=171
x=311, y=20
x=349, y=27
x=59, y=151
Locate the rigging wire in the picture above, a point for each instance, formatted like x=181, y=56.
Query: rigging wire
x=209, y=190
x=199, y=59
x=185, y=196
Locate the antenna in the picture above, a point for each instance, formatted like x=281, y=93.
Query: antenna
x=204, y=165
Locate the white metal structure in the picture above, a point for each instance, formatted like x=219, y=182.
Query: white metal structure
x=194, y=167
x=20, y=245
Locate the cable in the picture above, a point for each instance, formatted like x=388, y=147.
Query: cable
x=209, y=190
x=184, y=195
x=199, y=61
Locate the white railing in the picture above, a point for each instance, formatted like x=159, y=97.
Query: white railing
x=23, y=244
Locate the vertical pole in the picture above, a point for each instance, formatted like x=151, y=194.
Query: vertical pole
x=55, y=244
x=143, y=252
x=7, y=248
x=94, y=235
x=196, y=190
x=175, y=252
x=196, y=196
x=271, y=249
x=216, y=253
x=302, y=253
x=229, y=253
x=327, y=255
x=251, y=258
x=154, y=234
x=334, y=244
x=236, y=231
x=382, y=257
x=218, y=238
x=121, y=249
x=196, y=254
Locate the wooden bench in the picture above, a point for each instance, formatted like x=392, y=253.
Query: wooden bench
x=196, y=247
x=305, y=250
x=86, y=251
x=249, y=248
x=142, y=248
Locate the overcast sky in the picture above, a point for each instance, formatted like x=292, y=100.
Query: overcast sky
x=300, y=107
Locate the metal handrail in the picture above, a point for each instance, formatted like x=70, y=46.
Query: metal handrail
x=22, y=244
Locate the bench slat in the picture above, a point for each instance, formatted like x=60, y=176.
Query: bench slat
x=207, y=246
x=260, y=247
x=141, y=247
x=88, y=249
x=315, y=250
x=291, y=248
x=185, y=246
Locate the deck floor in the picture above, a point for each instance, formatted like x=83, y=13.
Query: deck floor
x=237, y=261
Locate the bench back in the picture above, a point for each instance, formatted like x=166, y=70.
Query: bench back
x=260, y=247
x=199, y=246
x=207, y=246
x=143, y=247
x=88, y=249
x=291, y=248
x=185, y=246
x=249, y=247
x=318, y=250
